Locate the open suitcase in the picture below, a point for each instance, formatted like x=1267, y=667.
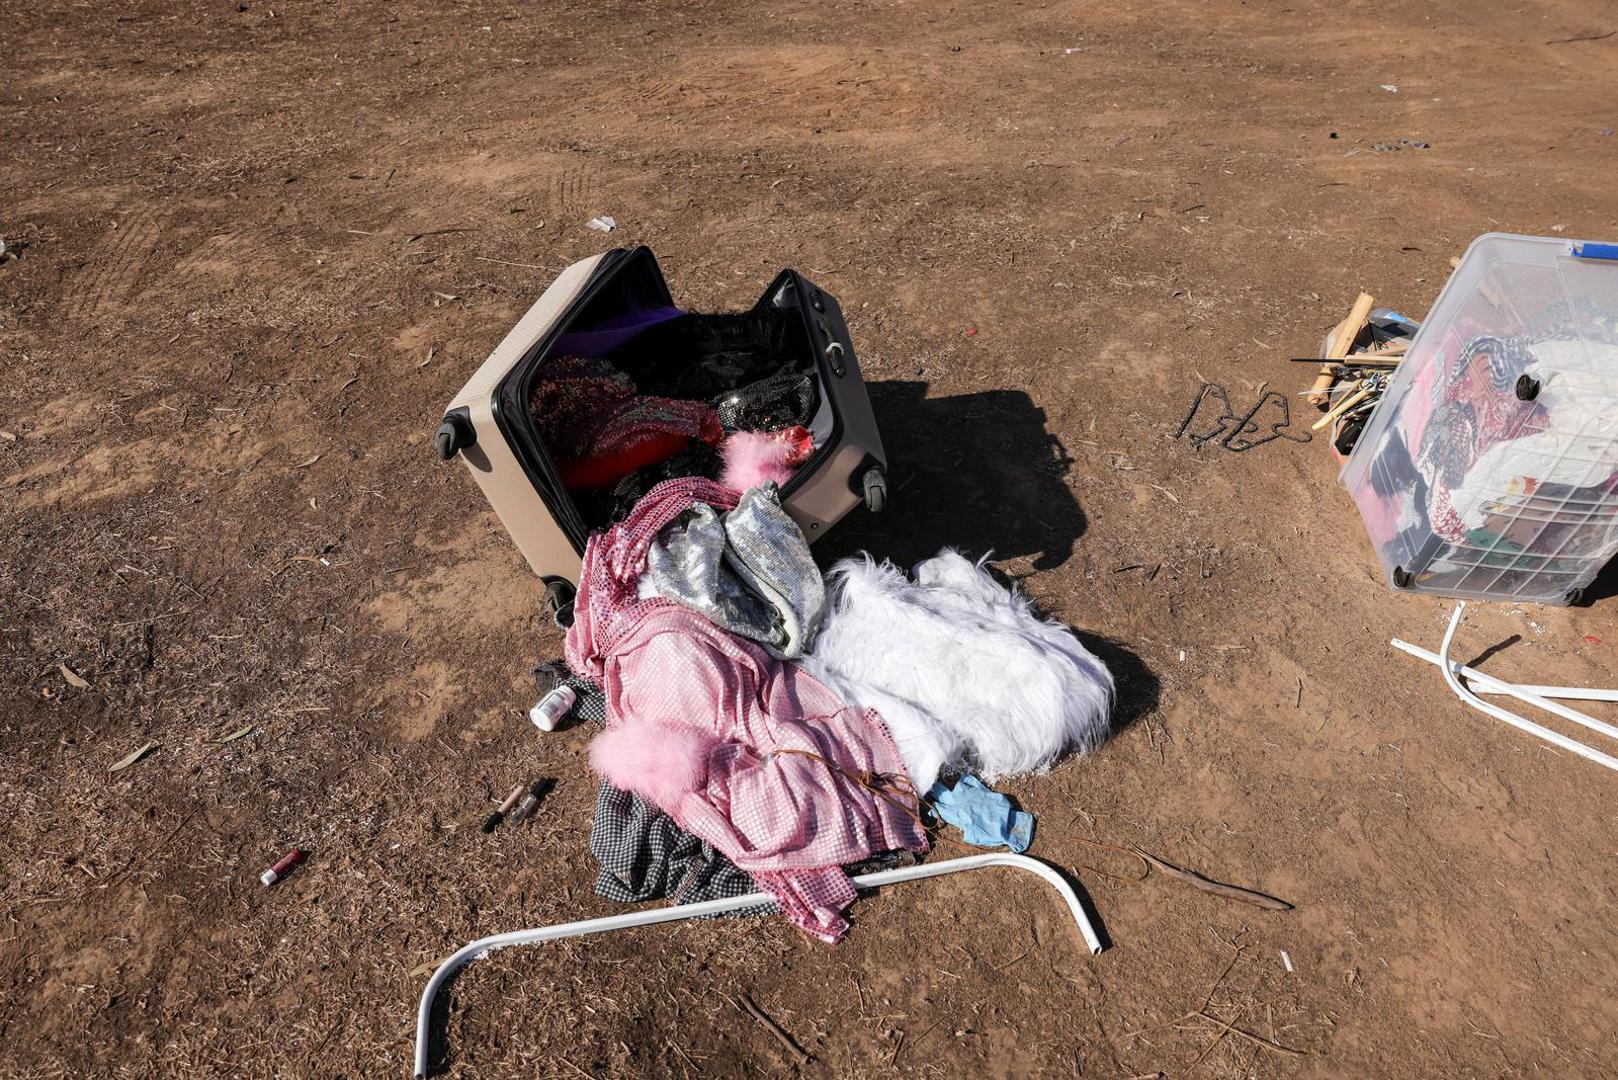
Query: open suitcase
x=598, y=305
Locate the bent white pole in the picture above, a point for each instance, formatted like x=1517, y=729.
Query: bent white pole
x=1565, y=693
x=1488, y=684
x=1521, y=693
x=1553, y=737
x=651, y=916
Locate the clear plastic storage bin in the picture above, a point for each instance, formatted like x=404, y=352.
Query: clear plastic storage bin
x=1490, y=467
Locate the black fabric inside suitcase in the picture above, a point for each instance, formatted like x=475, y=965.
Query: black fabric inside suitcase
x=758, y=369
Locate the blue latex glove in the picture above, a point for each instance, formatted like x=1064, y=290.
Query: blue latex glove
x=984, y=816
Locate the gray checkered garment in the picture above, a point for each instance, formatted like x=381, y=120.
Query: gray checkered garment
x=644, y=855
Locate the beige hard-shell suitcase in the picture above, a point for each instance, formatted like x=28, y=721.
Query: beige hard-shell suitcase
x=601, y=302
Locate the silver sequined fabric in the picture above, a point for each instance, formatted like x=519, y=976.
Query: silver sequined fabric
x=748, y=571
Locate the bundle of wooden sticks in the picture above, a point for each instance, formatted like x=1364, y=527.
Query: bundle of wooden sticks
x=1359, y=360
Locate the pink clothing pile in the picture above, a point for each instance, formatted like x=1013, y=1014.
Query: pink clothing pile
x=745, y=751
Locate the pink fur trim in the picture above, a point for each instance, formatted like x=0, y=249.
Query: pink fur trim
x=662, y=763
x=752, y=457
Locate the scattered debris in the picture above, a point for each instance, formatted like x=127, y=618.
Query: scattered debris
x=74, y=679
x=553, y=708
x=306, y=463
x=1414, y=144
x=1390, y=88
x=1229, y=892
x=493, y=821
x=1351, y=383
x=239, y=733
x=1287, y=960
x=604, y=223
x=129, y=759
x=1235, y=429
x=282, y=867
x=530, y=801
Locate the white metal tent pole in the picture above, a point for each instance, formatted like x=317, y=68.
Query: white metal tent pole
x=651, y=916
x=1556, y=738
x=1521, y=693
x=1565, y=693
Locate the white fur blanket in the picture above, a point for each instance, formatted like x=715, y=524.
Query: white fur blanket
x=963, y=671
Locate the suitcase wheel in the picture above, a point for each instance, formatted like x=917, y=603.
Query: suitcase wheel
x=875, y=483
x=559, y=598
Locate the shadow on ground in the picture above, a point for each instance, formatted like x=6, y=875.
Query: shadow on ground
x=977, y=472
x=1604, y=587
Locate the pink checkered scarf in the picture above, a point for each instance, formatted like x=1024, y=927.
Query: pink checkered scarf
x=673, y=679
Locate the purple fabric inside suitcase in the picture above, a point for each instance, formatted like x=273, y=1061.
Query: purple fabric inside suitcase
x=613, y=331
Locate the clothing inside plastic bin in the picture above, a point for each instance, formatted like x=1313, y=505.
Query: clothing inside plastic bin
x=1511, y=485
x=1489, y=468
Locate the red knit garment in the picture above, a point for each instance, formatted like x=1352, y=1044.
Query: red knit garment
x=599, y=430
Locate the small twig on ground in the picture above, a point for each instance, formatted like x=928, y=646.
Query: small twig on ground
x=563, y=1059
x=507, y=262
x=1001, y=967
x=1582, y=37
x=1224, y=1029
x=1157, y=1027
x=1214, y=989
x=1217, y=888
x=1244, y=1033
x=683, y=1056
x=788, y=1043
x=437, y=232
x=923, y=1035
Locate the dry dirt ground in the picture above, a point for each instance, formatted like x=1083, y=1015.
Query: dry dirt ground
x=261, y=244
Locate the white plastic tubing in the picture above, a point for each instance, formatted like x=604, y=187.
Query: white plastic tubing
x=1488, y=684
x=650, y=916
x=1451, y=669
x=1533, y=695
